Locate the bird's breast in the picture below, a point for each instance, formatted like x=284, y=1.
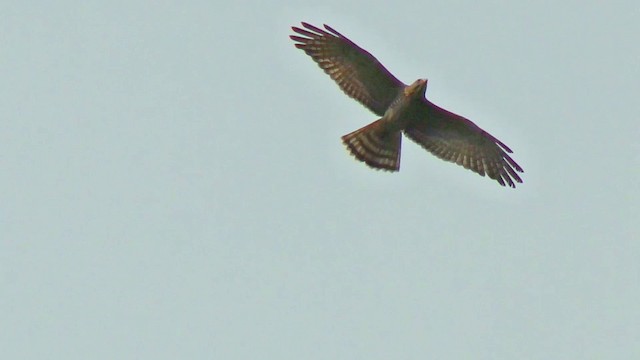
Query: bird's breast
x=397, y=111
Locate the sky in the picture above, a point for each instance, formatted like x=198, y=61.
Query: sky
x=173, y=184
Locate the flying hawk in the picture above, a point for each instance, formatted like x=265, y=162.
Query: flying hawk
x=402, y=108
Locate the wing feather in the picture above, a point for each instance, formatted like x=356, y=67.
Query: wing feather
x=453, y=138
x=358, y=73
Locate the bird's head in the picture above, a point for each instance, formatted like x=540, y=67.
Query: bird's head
x=416, y=89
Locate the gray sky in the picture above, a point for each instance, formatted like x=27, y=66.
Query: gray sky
x=174, y=187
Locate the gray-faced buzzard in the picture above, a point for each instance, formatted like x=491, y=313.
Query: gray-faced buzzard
x=402, y=108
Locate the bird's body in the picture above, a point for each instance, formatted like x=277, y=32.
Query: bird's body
x=402, y=108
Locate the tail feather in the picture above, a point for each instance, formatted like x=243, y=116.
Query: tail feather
x=376, y=146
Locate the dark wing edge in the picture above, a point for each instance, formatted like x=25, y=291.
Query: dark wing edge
x=358, y=73
x=456, y=139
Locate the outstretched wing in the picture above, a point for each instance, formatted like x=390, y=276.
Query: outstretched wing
x=357, y=72
x=454, y=138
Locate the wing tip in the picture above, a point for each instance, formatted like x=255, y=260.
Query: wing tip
x=311, y=27
x=318, y=31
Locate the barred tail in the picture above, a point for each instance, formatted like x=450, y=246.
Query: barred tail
x=376, y=146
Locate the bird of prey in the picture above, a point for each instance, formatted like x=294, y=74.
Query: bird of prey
x=401, y=108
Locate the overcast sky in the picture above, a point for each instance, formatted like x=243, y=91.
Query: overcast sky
x=173, y=185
